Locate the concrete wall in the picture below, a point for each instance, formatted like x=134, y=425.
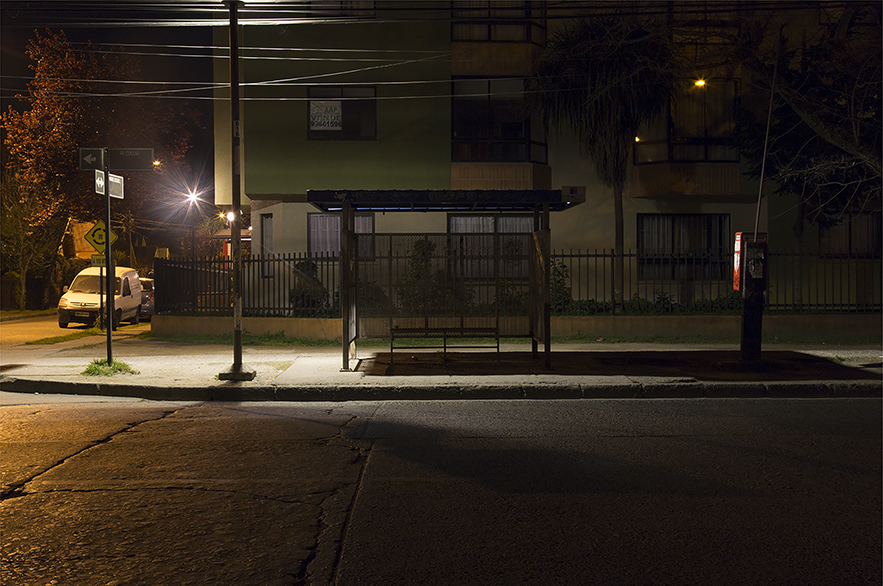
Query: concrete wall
x=784, y=327
x=292, y=327
x=726, y=326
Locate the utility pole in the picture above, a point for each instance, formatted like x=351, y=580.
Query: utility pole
x=236, y=372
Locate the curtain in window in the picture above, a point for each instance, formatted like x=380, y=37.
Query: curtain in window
x=266, y=243
x=324, y=234
x=667, y=242
x=472, y=253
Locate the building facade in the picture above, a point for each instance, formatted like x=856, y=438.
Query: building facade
x=376, y=95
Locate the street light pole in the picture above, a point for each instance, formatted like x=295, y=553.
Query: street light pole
x=236, y=372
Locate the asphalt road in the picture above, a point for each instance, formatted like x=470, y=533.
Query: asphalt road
x=478, y=492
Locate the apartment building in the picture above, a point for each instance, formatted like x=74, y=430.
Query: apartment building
x=375, y=95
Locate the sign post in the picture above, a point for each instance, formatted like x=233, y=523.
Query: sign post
x=102, y=160
x=110, y=273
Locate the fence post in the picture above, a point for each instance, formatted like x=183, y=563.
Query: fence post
x=612, y=282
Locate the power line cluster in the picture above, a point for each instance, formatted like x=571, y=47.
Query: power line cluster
x=171, y=13
x=213, y=12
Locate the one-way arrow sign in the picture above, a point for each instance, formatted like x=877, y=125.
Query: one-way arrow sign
x=91, y=159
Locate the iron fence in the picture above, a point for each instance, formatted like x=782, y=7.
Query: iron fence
x=283, y=285
x=297, y=285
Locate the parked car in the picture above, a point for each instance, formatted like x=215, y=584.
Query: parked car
x=146, y=298
x=82, y=301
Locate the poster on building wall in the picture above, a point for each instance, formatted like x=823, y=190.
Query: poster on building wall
x=325, y=115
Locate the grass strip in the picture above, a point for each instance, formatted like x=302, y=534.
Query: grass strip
x=100, y=367
x=74, y=335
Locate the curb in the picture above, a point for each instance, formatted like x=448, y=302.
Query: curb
x=443, y=392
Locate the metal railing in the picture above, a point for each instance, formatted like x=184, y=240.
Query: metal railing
x=296, y=285
x=283, y=285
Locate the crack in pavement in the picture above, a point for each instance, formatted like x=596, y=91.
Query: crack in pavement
x=330, y=509
x=18, y=489
x=320, y=567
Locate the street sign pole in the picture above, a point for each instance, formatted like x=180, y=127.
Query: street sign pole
x=99, y=160
x=108, y=261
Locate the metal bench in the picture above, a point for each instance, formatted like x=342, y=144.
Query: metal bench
x=446, y=334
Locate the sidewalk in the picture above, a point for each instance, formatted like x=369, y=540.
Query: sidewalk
x=188, y=372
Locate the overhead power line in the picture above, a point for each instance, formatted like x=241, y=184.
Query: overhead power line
x=213, y=13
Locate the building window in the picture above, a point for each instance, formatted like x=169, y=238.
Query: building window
x=682, y=246
x=491, y=124
x=331, y=8
x=700, y=127
x=490, y=223
x=517, y=21
x=266, y=243
x=860, y=237
x=342, y=113
x=474, y=255
x=323, y=235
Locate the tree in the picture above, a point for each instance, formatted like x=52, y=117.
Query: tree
x=25, y=244
x=600, y=80
x=826, y=127
x=82, y=97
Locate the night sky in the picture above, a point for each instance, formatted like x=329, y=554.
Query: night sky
x=168, y=56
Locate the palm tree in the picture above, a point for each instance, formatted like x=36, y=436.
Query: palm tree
x=600, y=79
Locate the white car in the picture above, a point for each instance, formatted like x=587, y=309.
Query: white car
x=82, y=301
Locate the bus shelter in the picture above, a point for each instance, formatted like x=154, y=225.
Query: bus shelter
x=460, y=288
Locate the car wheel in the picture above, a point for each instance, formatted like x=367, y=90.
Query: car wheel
x=136, y=319
x=62, y=324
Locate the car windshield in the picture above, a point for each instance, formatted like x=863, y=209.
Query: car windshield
x=90, y=284
x=147, y=286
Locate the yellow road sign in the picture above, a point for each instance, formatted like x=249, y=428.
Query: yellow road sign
x=97, y=236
